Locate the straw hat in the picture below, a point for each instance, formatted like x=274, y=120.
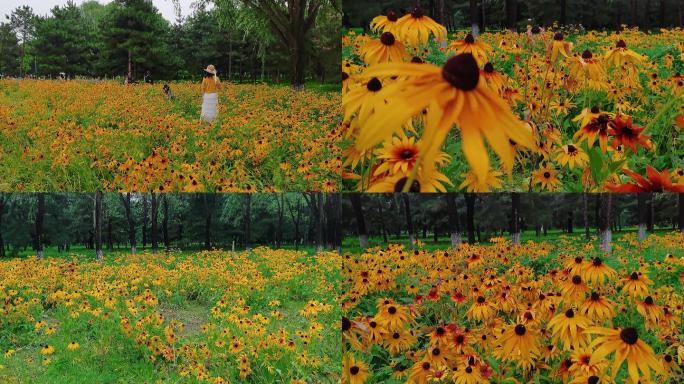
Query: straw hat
x=211, y=69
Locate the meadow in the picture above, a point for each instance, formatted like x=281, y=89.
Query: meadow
x=259, y=316
x=547, y=109
x=560, y=311
x=86, y=136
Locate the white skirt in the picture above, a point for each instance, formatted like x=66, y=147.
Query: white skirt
x=209, y=107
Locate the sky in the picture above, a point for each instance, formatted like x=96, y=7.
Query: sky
x=42, y=7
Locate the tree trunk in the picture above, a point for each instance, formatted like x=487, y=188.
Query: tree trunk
x=280, y=200
x=635, y=20
x=511, y=22
x=474, y=18
x=570, y=225
x=248, y=220
x=409, y=220
x=604, y=222
x=98, y=226
x=144, y=223
x=40, y=215
x=563, y=9
x=110, y=241
x=585, y=214
x=681, y=212
x=155, y=215
x=642, y=214
x=126, y=201
x=440, y=12
x=360, y=220
x=452, y=212
x=208, y=201
x=650, y=210
x=2, y=212
x=663, y=7
x=165, y=223
x=470, y=216
x=298, y=62
x=383, y=229
x=130, y=64
x=515, y=218
x=319, y=221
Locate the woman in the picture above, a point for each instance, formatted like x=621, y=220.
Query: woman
x=210, y=87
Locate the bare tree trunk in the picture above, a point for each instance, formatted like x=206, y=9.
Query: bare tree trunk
x=248, y=220
x=40, y=215
x=470, y=216
x=511, y=14
x=165, y=223
x=474, y=17
x=650, y=204
x=130, y=64
x=126, y=201
x=642, y=214
x=604, y=223
x=452, y=213
x=681, y=212
x=563, y=9
x=155, y=215
x=382, y=223
x=209, y=201
x=515, y=218
x=357, y=205
x=144, y=223
x=98, y=226
x=409, y=220
x=585, y=214
x=319, y=221
x=3, y=200
x=110, y=241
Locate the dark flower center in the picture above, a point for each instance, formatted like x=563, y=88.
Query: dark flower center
x=469, y=370
x=426, y=365
x=520, y=330
x=460, y=339
x=387, y=38
x=634, y=276
x=436, y=352
x=346, y=324
x=417, y=12
x=417, y=60
x=480, y=299
x=648, y=300
x=571, y=148
x=578, y=260
x=392, y=16
x=406, y=154
x=469, y=39
x=621, y=44
x=374, y=85
x=597, y=262
x=629, y=336
x=462, y=72
x=570, y=313
x=440, y=331
x=547, y=175
x=354, y=370
x=576, y=279
x=392, y=310
x=593, y=380
x=594, y=296
x=586, y=54
x=668, y=358
x=396, y=335
x=399, y=186
x=627, y=131
x=558, y=36
x=345, y=76
x=595, y=110
x=489, y=68
x=373, y=324
x=535, y=30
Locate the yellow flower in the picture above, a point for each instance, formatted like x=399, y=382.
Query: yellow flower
x=572, y=156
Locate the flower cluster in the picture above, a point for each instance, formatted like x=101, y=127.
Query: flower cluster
x=539, y=312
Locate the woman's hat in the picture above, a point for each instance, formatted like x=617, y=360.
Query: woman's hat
x=211, y=69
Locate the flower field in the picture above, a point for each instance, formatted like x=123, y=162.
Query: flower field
x=543, y=110
x=213, y=317
x=500, y=313
x=85, y=136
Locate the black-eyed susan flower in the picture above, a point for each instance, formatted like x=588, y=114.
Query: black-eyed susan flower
x=415, y=28
x=386, y=49
x=547, y=178
x=354, y=371
x=386, y=22
x=572, y=156
x=627, y=346
x=480, y=50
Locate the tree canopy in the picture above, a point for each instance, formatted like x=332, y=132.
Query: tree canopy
x=243, y=39
x=499, y=14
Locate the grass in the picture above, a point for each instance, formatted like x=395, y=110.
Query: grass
x=171, y=318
